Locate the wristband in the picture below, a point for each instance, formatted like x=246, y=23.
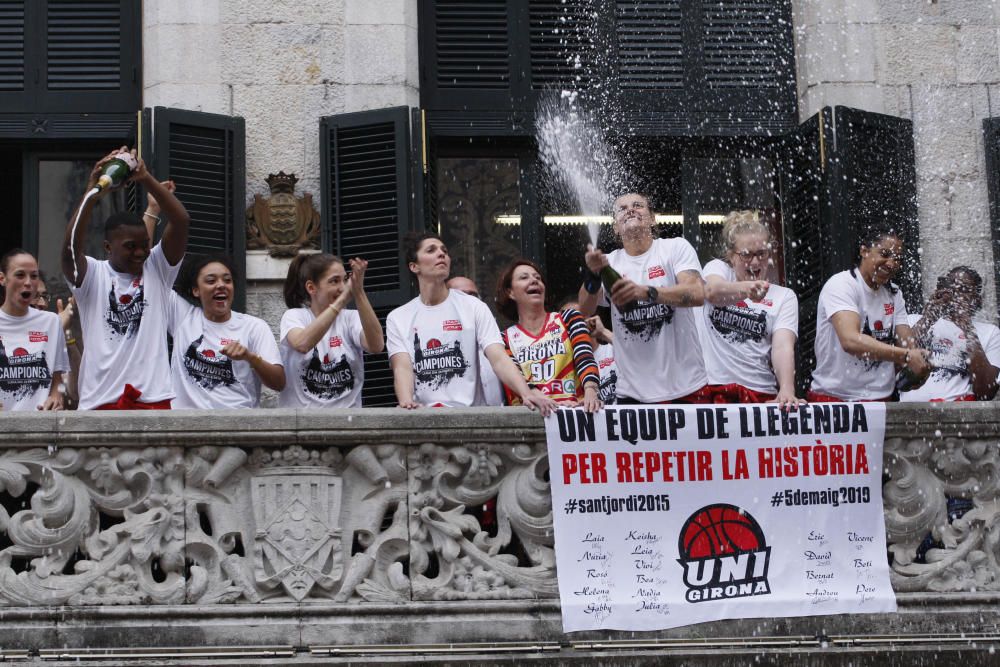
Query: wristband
x=147, y=214
x=591, y=282
x=70, y=341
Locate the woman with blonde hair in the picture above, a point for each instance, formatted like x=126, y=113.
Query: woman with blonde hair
x=750, y=323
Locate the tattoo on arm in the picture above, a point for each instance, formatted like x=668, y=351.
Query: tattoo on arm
x=685, y=299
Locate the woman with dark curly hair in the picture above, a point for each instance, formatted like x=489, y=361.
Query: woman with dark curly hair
x=220, y=356
x=553, y=350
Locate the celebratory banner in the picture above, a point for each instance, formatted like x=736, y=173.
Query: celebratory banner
x=669, y=516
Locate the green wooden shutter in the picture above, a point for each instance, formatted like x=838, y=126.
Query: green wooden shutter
x=372, y=196
x=204, y=154
x=991, y=142
x=807, y=238
x=13, y=26
x=874, y=185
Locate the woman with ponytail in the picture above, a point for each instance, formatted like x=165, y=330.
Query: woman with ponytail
x=32, y=346
x=862, y=330
x=322, y=343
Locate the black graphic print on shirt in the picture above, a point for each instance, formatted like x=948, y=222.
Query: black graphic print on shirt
x=206, y=369
x=23, y=373
x=882, y=334
x=327, y=379
x=124, y=312
x=438, y=364
x=948, y=362
x=644, y=320
x=608, y=390
x=739, y=323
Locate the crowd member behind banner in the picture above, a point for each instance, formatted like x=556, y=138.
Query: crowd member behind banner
x=74, y=343
x=552, y=349
x=124, y=300
x=323, y=343
x=654, y=312
x=32, y=348
x=965, y=354
x=434, y=340
x=862, y=328
x=220, y=357
x=602, y=341
x=750, y=324
x=489, y=385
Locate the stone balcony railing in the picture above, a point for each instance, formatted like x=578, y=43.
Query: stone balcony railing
x=290, y=528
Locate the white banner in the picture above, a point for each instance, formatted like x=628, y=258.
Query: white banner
x=674, y=515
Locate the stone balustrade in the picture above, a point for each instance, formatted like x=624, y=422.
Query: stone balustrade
x=370, y=526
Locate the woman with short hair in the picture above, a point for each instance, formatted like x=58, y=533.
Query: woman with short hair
x=552, y=349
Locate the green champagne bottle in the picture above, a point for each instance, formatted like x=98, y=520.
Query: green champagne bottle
x=609, y=277
x=116, y=170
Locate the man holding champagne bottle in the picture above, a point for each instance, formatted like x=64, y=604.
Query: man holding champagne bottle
x=653, y=287
x=123, y=300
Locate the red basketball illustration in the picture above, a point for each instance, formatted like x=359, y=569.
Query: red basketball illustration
x=719, y=530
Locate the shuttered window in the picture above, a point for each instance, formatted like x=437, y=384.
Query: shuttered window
x=991, y=142
x=372, y=191
x=204, y=154
x=832, y=192
x=12, y=45
x=563, y=44
x=70, y=56
x=472, y=44
x=366, y=195
x=650, y=44
x=711, y=66
x=743, y=43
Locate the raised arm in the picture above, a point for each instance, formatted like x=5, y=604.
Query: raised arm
x=373, y=338
x=175, y=234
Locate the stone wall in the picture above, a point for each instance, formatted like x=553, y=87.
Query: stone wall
x=381, y=526
x=937, y=63
x=281, y=65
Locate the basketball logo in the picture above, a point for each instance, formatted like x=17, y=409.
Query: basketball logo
x=724, y=554
x=719, y=530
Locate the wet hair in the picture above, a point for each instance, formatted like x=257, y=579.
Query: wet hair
x=949, y=278
x=5, y=263
x=737, y=223
x=505, y=304
x=188, y=278
x=121, y=219
x=410, y=244
x=306, y=267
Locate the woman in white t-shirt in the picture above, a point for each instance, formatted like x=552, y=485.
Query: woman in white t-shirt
x=220, y=356
x=862, y=331
x=32, y=346
x=654, y=313
x=750, y=325
x=434, y=340
x=322, y=343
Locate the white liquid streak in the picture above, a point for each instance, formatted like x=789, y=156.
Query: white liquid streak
x=72, y=232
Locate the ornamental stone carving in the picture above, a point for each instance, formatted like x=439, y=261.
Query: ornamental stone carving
x=345, y=514
x=282, y=224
